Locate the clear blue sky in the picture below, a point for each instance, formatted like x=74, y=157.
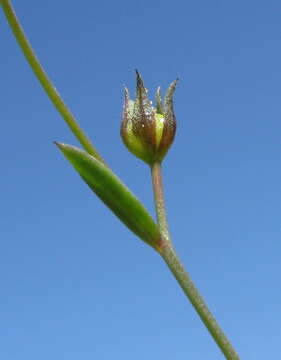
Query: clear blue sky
x=76, y=284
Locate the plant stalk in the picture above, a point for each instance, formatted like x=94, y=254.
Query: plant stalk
x=166, y=251
x=169, y=255
x=159, y=201
x=45, y=81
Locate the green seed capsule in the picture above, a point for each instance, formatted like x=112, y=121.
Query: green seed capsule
x=148, y=132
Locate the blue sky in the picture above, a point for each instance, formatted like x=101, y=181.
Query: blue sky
x=75, y=283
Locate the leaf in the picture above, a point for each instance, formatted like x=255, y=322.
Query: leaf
x=110, y=189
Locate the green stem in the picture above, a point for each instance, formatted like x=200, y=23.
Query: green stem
x=45, y=81
x=187, y=285
x=169, y=255
x=160, y=203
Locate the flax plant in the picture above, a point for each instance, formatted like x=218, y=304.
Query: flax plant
x=148, y=132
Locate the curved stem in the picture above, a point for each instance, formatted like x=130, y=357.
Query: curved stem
x=45, y=81
x=169, y=255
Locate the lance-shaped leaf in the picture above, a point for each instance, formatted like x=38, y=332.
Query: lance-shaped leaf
x=110, y=189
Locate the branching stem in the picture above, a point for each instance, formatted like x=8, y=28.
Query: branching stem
x=169, y=255
x=166, y=251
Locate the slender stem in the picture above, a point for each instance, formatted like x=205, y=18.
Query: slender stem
x=187, y=285
x=45, y=81
x=160, y=202
x=169, y=255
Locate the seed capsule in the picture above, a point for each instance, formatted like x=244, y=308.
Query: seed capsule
x=148, y=132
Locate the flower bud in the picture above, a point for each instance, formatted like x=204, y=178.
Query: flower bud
x=148, y=132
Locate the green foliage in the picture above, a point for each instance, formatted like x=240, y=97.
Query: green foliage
x=109, y=188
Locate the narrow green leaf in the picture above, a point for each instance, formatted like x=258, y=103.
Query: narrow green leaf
x=110, y=189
